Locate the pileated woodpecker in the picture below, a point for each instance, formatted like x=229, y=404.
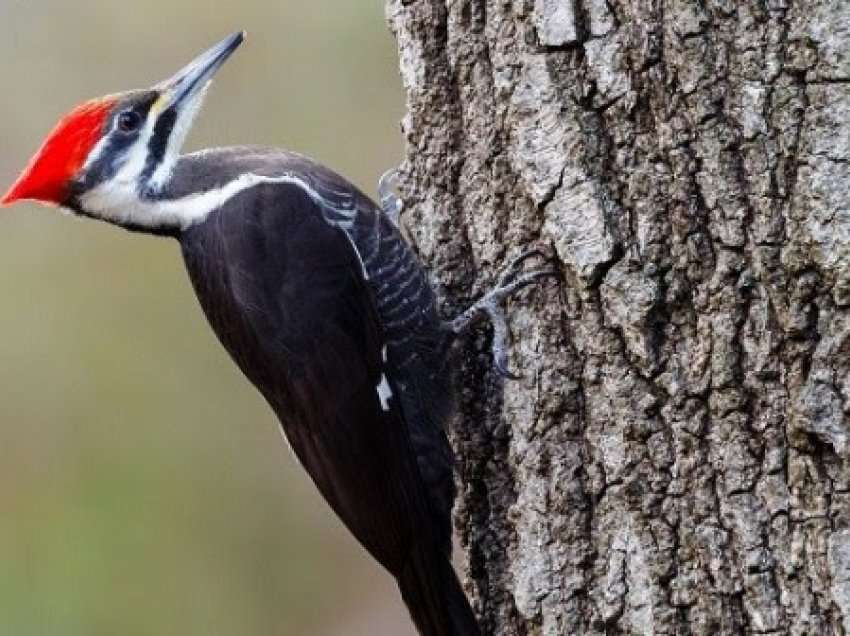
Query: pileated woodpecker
x=314, y=293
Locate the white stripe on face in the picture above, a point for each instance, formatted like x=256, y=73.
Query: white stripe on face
x=176, y=139
x=136, y=158
x=132, y=158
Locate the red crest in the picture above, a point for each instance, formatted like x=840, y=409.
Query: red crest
x=61, y=156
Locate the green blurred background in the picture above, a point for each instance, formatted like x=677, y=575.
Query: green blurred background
x=144, y=485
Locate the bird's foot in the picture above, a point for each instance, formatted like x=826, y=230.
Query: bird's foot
x=513, y=278
x=390, y=202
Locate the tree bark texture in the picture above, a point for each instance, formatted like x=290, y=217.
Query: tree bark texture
x=675, y=459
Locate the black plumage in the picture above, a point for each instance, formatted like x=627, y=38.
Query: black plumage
x=300, y=280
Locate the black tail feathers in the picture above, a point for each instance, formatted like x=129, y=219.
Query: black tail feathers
x=433, y=595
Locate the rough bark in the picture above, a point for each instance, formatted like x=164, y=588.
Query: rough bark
x=675, y=459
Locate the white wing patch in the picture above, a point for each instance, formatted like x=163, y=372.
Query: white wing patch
x=384, y=392
x=383, y=388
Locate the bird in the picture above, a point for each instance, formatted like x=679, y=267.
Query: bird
x=316, y=295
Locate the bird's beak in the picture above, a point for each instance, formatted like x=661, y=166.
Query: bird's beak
x=192, y=79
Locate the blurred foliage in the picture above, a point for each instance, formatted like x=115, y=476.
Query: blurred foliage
x=144, y=485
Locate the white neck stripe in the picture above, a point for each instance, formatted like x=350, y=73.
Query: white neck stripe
x=123, y=206
x=176, y=138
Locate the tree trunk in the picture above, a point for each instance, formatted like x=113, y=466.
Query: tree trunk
x=674, y=459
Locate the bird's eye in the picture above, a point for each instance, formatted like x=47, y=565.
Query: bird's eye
x=128, y=121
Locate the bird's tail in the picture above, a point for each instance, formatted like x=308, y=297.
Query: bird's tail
x=433, y=595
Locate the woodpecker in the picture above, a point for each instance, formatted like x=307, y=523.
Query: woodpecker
x=316, y=296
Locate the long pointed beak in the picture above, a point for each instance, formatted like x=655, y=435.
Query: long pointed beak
x=194, y=77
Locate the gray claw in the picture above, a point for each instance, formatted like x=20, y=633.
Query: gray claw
x=390, y=202
x=515, y=266
x=503, y=370
x=500, y=339
x=511, y=281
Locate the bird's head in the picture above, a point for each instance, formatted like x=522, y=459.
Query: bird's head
x=122, y=147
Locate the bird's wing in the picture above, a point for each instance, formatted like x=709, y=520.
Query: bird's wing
x=319, y=356
x=416, y=342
